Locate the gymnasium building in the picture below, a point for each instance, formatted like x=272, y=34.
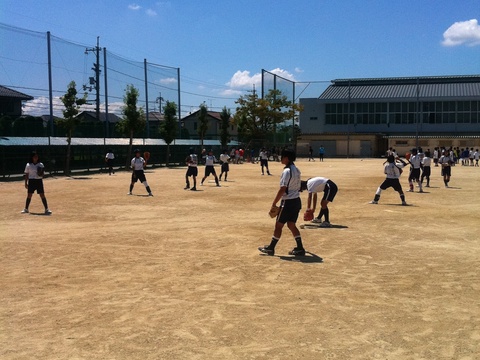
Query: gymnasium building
x=364, y=117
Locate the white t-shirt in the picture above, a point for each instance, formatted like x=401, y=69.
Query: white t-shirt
x=137, y=163
x=415, y=161
x=316, y=184
x=210, y=160
x=110, y=156
x=224, y=158
x=31, y=170
x=263, y=155
x=291, y=178
x=392, y=170
x=193, y=160
x=426, y=161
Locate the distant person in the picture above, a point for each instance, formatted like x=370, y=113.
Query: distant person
x=445, y=162
x=210, y=160
x=33, y=175
x=321, y=152
x=310, y=154
x=264, y=161
x=192, y=170
x=109, y=160
x=393, y=170
x=224, y=160
x=329, y=189
x=137, y=165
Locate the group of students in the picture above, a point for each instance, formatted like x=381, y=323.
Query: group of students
x=420, y=169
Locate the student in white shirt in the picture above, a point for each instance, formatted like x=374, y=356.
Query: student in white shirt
x=33, y=176
x=329, y=189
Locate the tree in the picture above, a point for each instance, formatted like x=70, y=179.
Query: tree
x=224, y=134
x=168, y=129
x=257, y=118
x=72, y=105
x=133, y=118
x=202, y=123
x=6, y=123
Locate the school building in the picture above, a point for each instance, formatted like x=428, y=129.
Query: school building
x=364, y=117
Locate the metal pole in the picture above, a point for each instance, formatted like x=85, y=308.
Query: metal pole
x=97, y=78
x=146, y=96
x=50, y=91
x=417, y=112
x=107, y=123
x=348, y=119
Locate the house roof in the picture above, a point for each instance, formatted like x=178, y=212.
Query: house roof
x=404, y=88
x=92, y=115
x=9, y=93
x=212, y=114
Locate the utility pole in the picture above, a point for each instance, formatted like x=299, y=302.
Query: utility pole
x=95, y=81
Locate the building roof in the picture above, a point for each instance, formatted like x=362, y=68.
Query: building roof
x=92, y=116
x=9, y=93
x=467, y=86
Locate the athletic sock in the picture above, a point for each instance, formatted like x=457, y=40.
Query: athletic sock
x=298, y=239
x=376, y=198
x=27, y=202
x=402, y=197
x=131, y=187
x=326, y=212
x=44, y=201
x=273, y=243
x=321, y=213
x=148, y=189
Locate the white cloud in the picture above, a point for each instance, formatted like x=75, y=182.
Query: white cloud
x=151, y=12
x=462, y=32
x=243, y=80
x=298, y=70
x=167, y=81
x=134, y=7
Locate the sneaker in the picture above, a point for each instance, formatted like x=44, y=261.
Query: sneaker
x=129, y=193
x=410, y=190
x=374, y=202
x=193, y=189
x=24, y=211
x=404, y=203
x=267, y=250
x=427, y=185
x=317, y=221
x=269, y=174
x=325, y=224
x=150, y=194
x=421, y=191
x=297, y=252
x=218, y=185
x=186, y=188
x=48, y=212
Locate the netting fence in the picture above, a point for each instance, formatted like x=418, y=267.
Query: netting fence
x=42, y=65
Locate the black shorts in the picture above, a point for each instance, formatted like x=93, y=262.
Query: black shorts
x=264, y=162
x=138, y=175
x=395, y=183
x=225, y=167
x=289, y=210
x=110, y=162
x=35, y=184
x=330, y=191
x=426, y=171
x=192, y=171
x=414, y=174
x=209, y=169
x=446, y=171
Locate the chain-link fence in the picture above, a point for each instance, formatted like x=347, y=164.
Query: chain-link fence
x=42, y=65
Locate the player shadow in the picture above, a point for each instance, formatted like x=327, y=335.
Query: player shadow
x=141, y=195
x=80, y=178
x=399, y=205
x=39, y=214
x=309, y=258
x=454, y=187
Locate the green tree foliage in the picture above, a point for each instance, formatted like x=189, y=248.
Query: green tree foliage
x=6, y=125
x=72, y=105
x=224, y=134
x=168, y=129
x=258, y=118
x=28, y=126
x=133, y=120
x=202, y=122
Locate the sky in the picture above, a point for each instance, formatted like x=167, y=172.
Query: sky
x=221, y=47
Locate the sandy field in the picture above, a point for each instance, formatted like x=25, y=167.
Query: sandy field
x=179, y=276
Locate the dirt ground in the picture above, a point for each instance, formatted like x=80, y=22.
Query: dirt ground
x=179, y=276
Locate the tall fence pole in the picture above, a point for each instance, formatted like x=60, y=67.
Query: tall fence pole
x=107, y=123
x=146, y=96
x=50, y=91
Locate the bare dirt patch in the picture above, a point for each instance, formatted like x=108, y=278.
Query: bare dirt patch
x=178, y=276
